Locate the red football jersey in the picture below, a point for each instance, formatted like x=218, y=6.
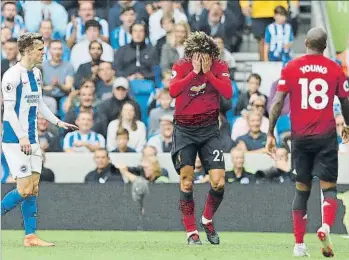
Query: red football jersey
x=312, y=82
x=198, y=95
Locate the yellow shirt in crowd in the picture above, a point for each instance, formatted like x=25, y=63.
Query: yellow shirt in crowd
x=264, y=9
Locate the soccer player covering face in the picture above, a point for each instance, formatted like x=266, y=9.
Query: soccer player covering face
x=312, y=81
x=197, y=82
x=22, y=95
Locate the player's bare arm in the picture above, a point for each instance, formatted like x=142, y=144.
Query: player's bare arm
x=345, y=112
x=275, y=113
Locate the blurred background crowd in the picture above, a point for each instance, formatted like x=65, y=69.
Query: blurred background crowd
x=107, y=68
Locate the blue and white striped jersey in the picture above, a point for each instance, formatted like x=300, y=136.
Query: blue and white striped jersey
x=80, y=34
x=92, y=138
x=276, y=36
x=18, y=28
x=22, y=95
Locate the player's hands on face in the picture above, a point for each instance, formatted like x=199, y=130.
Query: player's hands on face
x=206, y=63
x=270, y=146
x=65, y=125
x=196, y=61
x=345, y=134
x=25, y=146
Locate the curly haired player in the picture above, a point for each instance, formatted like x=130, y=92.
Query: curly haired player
x=197, y=82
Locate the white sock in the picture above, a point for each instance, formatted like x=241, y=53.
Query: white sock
x=205, y=221
x=189, y=234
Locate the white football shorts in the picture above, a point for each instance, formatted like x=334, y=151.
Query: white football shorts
x=21, y=165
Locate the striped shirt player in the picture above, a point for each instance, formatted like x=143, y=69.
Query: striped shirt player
x=18, y=27
x=80, y=34
x=277, y=36
x=22, y=95
x=119, y=37
x=91, y=137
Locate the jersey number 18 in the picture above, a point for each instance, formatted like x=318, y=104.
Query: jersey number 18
x=309, y=99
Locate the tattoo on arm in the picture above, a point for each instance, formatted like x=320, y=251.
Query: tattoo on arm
x=275, y=110
x=345, y=109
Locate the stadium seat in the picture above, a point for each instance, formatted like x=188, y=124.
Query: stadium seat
x=141, y=90
x=282, y=125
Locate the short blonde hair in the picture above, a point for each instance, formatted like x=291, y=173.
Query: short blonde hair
x=155, y=165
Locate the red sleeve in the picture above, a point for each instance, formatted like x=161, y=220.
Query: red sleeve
x=179, y=81
x=222, y=82
x=284, y=82
x=343, y=86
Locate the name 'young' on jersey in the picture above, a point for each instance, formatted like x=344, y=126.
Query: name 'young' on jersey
x=22, y=87
x=312, y=82
x=198, y=95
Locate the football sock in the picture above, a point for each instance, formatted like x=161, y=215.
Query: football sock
x=187, y=207
x=329, y=206
x=29, y=212
x=10, y=201
x=214, y=199
x=299, y=214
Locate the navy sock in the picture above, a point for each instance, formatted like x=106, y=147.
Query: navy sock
x=29, y=212
x=10, y=201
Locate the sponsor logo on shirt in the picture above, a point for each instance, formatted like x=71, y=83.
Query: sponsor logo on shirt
x=32, y=99
x=197, y=90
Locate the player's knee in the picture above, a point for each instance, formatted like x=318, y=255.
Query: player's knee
x=303, y=186
x=217, y=179
x=187, y=184
x=36, y=190
x=187, y=178
x=25, y=191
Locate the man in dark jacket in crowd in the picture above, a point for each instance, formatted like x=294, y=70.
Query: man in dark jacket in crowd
x=110, y=109
x=105, y=170
x=136, y=60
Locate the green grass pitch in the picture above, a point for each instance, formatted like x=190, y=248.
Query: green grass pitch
x=105, y=245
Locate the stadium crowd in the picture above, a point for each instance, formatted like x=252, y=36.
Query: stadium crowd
x=107, y=68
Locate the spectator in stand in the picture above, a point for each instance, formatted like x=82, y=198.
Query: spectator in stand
x=240, y=127
x=106, y=76
x=166, y=8
x=77, y=28
x=46, y=30
x=5, y=36
x=90, y=69
x=343, y=147
x=163, y=141
x=84, y=139
x=200, y=175
x=343, y=59
x=36, y=11
x=110, y=109
x=281, y=172
x=105, y=170
x=226, y=55
x=149, y=151
x=255, y=140
x=58, y=75
x=262, y=13
x=11, y=54
x=224, y=129
x=278, y=38
x=121, y=35
x=149, y=169
x=86, y=104
x=47, y=174
x=11, y=19
x=253, y=83
x=219, y=22
x=167, y=23
x=49, y=140
x=174, y=50
x=137, y=59
x=114, y=15
x=127, y=120
x=238, y=173
x=286, y=108
x=122, y=139
x=164, y=109
x=80, y=52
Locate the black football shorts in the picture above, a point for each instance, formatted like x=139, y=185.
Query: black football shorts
x=316, y=156
x=188, y=141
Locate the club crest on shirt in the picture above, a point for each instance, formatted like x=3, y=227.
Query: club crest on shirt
x=8, y=87
x=197, y=90
x=346, y=86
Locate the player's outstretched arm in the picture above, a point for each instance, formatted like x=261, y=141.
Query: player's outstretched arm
x=49, y=116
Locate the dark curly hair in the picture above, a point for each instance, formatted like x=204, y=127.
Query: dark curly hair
x=202, y=43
